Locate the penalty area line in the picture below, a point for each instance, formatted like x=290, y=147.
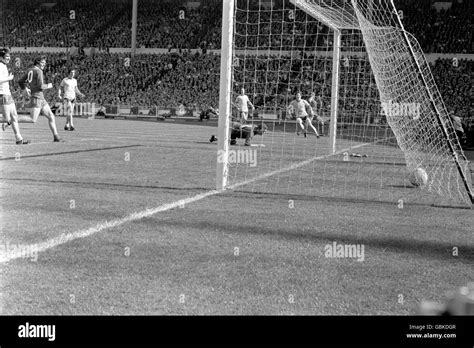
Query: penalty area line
x=68, y=237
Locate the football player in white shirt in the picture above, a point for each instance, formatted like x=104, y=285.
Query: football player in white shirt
x=7, y=104
x=304, y=114
x=69, y=87
x=242, y=103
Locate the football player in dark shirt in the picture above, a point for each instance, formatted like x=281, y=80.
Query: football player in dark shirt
x=32, y=82
x=246, y=132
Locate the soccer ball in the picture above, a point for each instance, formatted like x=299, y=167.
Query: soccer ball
x=419, y=177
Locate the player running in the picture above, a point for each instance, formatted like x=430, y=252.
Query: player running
x=242, y=103
x=300, y=107
x=69, y=86
x=7, y=104
x=317, y=106
x=32, y=83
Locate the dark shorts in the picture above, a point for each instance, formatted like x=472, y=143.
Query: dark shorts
x=37, y=103
x=304, y=118
x=242, y=132
x=6, y=99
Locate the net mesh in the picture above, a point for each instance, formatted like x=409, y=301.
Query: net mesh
x=282, y=47
x=405, y=82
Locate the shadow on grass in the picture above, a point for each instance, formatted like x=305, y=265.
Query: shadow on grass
x=320, y=198
x=105, y=185
x=427, y=249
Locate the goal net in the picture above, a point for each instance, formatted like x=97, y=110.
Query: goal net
x=377, y=110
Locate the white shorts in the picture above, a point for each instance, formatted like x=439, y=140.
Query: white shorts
x=8, y=110
x=320, y=119
x=244, y=115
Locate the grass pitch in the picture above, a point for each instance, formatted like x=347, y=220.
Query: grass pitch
x=248, y=251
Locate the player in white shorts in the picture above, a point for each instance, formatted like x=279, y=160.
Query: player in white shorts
x=7, y=104
x=69, y=87
x=317, y=106
x=304, y=114
x=242, y=103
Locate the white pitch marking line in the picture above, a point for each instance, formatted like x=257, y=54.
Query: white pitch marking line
x=68, y=237
x=49, y=142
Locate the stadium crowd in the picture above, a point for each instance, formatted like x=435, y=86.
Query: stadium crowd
x=455, y=85
x=160, y=25
x=29, y=24
x=445, y=31
x=148, y=80
x=192, y=79
x=169, y=24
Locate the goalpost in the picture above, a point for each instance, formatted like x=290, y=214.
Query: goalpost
x=383, y=115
